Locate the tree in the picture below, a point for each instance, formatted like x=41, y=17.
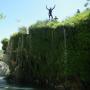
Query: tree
x=4, y=44
x=23, y=30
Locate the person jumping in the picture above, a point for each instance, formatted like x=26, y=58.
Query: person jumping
x=50, y=12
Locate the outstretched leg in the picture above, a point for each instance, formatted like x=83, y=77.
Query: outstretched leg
x=52, y=17
x=49, y=17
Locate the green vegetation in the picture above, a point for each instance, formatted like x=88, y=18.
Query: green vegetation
x=23, y=30
x=40, y=55
x=5, y=44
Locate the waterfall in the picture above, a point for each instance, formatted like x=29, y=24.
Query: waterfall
x=65, y=59
x=65, y=49
x=65, y=52
x=18, y=50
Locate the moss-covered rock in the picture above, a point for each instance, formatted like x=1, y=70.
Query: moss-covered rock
x=41, y=53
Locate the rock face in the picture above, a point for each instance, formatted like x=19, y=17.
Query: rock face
x=4, y=69
x=1, y=55
x=41, y=54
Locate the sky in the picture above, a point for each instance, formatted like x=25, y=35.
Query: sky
x=26, y=12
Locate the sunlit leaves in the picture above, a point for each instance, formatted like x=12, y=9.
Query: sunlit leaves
x=23, y=30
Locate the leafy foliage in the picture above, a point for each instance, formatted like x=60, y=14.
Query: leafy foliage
x=23, y=30
x=5, y=44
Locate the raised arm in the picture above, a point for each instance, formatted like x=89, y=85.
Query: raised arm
x=46, y=7
x=54, y=7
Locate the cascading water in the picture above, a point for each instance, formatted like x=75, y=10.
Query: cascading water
x=65, y=50
x=65, y=57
